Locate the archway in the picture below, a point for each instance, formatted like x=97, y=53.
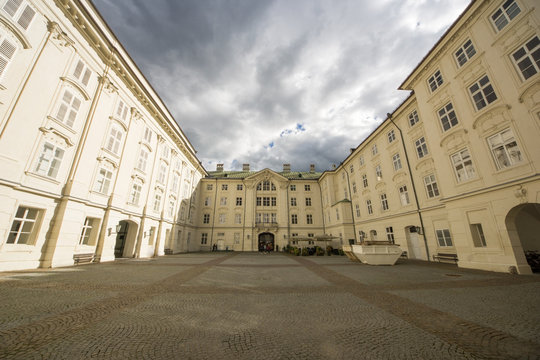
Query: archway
x=522, y=224
x=125, y=239
x=414, y=247
x=266, y=242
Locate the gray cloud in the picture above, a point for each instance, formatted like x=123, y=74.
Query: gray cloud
x=237, y=74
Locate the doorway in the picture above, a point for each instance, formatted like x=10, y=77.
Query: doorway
x=266, y=242
x=522, y=223
x=121, y=238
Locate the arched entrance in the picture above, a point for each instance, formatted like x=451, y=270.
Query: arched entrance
x=125, y=239
x=266, y=242
x=522, y=224
x=414, y=247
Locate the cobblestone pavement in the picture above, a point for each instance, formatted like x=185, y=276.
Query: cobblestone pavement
x=267, y=306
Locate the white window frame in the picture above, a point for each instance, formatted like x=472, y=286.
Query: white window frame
x=477, y=233
x=391, y=135
x=396, y=161
x=447, y=117
x=504, y=14
x=103, y=180
x=378, y=172
x=364, y=180
x=390, y=234
x=206, y=218
x=69, y=107
x=404, y=195
x=294, y=219
x=204, y=238
x=114, y=139
x=357, y=208
x=369, y=207
x=82, y=72
x=421, y=147
x=158, y=196
x=8, y=50
x=384, y=202
x=307, y=187
x=465, y=52
x=444, y=238
x=309, y=219
x=482, y=93
x=308, y=201
x=162, y=174
x=122, y=111
x=24, y=226
x=432, y=189
x=374, y=150
x=22, y=14
x=238, y=218
x=49, y=160
x=147, y=137
x=293, y=201
x=523, y=57
x=135, y=193
x=463, y=165
x=506, y=150
x=142, y=161
x=435, y=80
x=86, y=237
x=413, y=118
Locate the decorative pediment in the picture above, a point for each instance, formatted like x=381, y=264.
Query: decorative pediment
x=59, y=36
x=365, y=192
x=519, y=32
x=454, y=139
x=118, y=121
x=493, y=119
x=380, y=185
x=56, y=137
x=107, y=162
x=473, y=70
x=138, y=178
x=399, y=176
x=136, y=114
x=531, y=94
x=75, y=85
x=425, y=165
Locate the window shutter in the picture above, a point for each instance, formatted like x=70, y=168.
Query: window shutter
x=12, y=6
x=78, y=69
x=86, y=77
x=26, y=17
x=7, y=50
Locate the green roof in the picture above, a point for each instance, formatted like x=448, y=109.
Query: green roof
x=291, y=175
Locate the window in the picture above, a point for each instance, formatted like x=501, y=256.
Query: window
x=294, y=219
x=435, y=80
x=143, y=160
x=479, y=240
x=209, y=186
x=175, y=182
x=404, y=195
x=222, y=218
x=361, y=160
x=165, y=151
x=482, y=93
x=309, y=219
x=266, y=185
x=369, y=207
x=384, y=202
x=354, y=189
x=431, y=186
x=364, y=180
x=378, y=172
x=465, y=53
x=374, y=150
x=421, y=147
x=69, y=107
x=337, y=214
x=259, y=201
x=49, y=160
x=357, y=208
x=82, y=73
x=238, y=201
x=463, y=165
x=293, y=201
x=237, y=238
x=443, y=237
x=86, y=231
x=23, y=226
x=527, y=58
x=204, y=238
x=293, y=187
x=207, y=201
x=147, y=135
x=135, y=194
x=115, y=138
x=307, y=187
x=157, y=201
x=345, y=193
x=224, y=187
x=504, y=149
x=103, y=181
x=206, y=219
x=162, y=173
x=20, y=12
x=122, y=111
x=223, y=201
x=413, y=118
x=351, y=168
x=170, y=209
x=266, y=201
x=391, y=136
x=396, y=160
x=237, y=218
x=448, y=117
x=390, y=234
x=239, y=187
x=504, y=14
x=7, y=52
x=308, y=201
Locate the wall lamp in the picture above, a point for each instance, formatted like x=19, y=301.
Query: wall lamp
x=118, y=228
x=419, y=230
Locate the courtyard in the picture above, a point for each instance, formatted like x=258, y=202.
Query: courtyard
x=267, y=306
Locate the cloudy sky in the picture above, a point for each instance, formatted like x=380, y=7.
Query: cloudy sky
x=268, y=82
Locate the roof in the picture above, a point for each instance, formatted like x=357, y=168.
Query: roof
x=291, y=175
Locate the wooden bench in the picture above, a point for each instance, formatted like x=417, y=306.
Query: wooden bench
x=83, y=258
x=446, y=256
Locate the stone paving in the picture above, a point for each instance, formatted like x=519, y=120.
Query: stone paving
x=267, y=306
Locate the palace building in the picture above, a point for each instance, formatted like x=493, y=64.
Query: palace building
x=94, y=166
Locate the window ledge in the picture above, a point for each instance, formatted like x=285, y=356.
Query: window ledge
x=42, y=177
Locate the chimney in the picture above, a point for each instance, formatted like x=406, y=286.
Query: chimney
x=286, y=167
x=245, y=167
x=312, y=168
x=219, y=167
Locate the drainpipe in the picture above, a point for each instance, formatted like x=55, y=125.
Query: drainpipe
x=413, y=185
x=322, y=210
x=213, y=217
x=288, y=214
x=350, y=194
x=244, y=219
